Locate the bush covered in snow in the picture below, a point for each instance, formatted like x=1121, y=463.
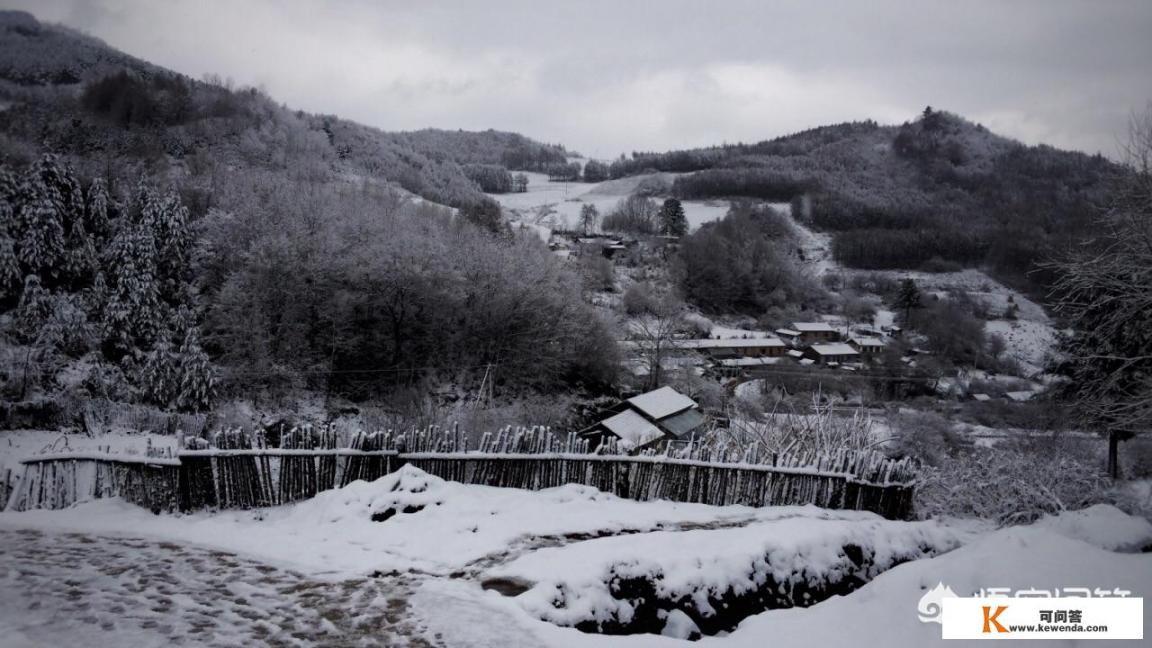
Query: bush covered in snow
x=1014, y=482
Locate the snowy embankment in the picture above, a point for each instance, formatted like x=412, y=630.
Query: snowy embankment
x=713, y=579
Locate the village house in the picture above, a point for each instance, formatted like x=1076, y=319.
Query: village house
x=869, y=347
x=651, y=419
x=837, y=352
x=814, y=333
x=761, y=347
x=791, y=336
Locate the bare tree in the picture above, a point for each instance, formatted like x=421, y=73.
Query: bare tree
x=1105, y=290
x=655, y=334
x=589, y=216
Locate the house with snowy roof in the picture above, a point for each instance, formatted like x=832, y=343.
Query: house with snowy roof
x=867, y=346
x=651, y=419
x=814, y=333
x=837, y=352
x=751, y=347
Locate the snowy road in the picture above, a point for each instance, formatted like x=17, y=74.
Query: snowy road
x=76, y=589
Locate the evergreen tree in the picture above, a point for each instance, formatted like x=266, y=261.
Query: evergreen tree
x=132, y=313
x=673, y=222
x=9, y=264
x=41, y=244
x=595, y=171
x=908, y=298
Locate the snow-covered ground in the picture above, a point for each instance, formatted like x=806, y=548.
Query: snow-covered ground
x=556, y=205
x=317, y=572
x=815, y=246
x=1030, y=343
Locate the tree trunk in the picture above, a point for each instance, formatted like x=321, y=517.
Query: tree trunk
x=1113, y=454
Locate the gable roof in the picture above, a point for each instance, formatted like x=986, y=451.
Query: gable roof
x=661, y=402
x=838, y=348
x=864, y=340
x=730, y=343
x=811, y=327
x=632, y=428
x=683, y=424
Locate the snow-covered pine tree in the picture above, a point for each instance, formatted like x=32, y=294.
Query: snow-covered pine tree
x=132, y=314
x=40, y=246
x=176, y=373
x=9, y=264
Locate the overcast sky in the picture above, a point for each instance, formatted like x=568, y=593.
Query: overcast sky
x=616, y=76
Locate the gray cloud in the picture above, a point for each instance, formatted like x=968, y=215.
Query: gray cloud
x=609, y=77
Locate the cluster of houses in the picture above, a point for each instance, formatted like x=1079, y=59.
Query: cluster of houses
x=803, y=343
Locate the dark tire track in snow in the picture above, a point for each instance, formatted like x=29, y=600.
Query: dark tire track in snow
x=78, y=589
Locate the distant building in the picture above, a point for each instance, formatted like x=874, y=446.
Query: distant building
x=867, y=346
x=762, y=347
x=837, y=352
x=791, y=336
x=657, y=417
x=771, y=347
x=815, y=333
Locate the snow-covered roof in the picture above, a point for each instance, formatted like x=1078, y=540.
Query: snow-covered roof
x=1020, y=396
x=661, y=402
x=983, y=398
x=837, y=348
x=730, y=343
x=632, y=428
x=787, y=331
x=863, y=340
x=811, y=327
x=796, y=353
x=680, y=425
x=748, y=362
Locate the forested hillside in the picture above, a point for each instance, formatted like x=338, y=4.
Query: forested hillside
x=177, y=242
x=937, y=193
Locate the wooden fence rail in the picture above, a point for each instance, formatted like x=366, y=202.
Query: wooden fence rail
x=236, y=471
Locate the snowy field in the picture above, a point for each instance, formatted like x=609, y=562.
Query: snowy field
x=556, y=205
x=457, y=565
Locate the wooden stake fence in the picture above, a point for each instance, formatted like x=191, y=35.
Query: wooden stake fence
x=237, y=470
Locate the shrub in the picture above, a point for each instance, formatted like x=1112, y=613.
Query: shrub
x=638, y=299
x=1015, y=482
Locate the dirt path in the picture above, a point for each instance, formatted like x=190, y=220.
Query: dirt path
x=76, y=589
